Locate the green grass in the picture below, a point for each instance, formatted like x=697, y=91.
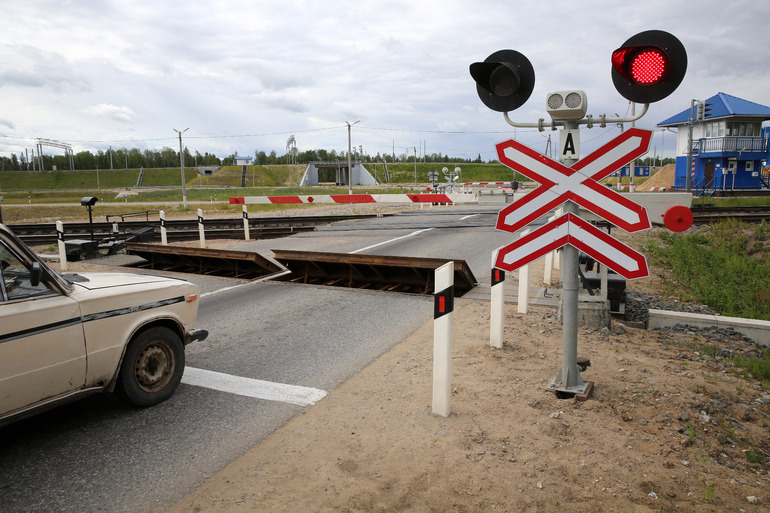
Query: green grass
x=758, y=368
x=735, y=201
x=725, y=266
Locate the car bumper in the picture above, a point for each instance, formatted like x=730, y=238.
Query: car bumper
x=195, y=336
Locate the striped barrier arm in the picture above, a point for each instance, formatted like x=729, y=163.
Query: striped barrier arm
x=343, y=198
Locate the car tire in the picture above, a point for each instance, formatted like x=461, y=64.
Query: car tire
x=152, y=367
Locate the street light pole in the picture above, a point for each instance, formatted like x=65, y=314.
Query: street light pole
x=350, y=168
x=181, y=165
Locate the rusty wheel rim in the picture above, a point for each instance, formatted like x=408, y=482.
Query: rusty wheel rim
x=154, y=367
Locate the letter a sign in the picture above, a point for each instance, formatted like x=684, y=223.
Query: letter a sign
x=569, y=142
x=580, y=184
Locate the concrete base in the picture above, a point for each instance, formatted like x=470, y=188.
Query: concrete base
x=758, y=331
x=591, y=311
x=489, y=197
x=592, y=314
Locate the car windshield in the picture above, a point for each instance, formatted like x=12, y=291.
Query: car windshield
x=16, y=275
x=18, y=259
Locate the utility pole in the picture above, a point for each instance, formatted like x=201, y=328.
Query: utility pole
x=688, y=170
x=350, y=165
x=181, y=165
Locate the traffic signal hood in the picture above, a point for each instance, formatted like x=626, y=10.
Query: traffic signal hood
x=649, y=66
x=504, y=81
x=704, y=109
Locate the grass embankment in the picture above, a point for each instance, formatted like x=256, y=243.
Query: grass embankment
x=725, y=266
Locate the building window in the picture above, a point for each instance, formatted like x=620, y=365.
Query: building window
x=749, y=165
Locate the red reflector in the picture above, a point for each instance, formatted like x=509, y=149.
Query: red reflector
x=648, y=66
x=442, y=304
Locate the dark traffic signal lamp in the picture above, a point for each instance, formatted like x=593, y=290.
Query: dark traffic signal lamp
x=649, y=66
x=504, y=81
x=703, y=110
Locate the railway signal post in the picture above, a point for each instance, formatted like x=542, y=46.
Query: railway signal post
x=646, y=68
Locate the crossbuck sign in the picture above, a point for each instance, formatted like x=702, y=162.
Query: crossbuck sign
x=580, y=184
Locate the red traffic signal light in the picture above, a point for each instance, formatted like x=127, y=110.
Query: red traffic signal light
x=504, y=81
x=649, y=66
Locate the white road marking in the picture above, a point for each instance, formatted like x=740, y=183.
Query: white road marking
x=249, y=387
x=233, y=287
x=391, y=240
x=468, y=217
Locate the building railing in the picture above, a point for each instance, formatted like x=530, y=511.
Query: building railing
x=729, y=144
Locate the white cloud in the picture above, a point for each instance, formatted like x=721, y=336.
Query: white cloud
x=139, y=68
x=111, y=112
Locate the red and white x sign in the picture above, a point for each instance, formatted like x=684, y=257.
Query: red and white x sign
x=573, y=230
x=579, y=183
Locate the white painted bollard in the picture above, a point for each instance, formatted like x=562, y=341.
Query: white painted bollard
x=557, y=253
x=523, y=302
x=497, y=308
x=548, y=269
x=549, y=262
x=201, y=231
x=443, y=305
x=62, y=247
x=245, y=223
x=163, y=235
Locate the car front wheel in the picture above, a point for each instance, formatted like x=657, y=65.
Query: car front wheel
x=152, y=367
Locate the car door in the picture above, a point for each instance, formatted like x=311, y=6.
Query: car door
x=42, y=346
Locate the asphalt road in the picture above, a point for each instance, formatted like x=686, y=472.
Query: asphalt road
x=100, y=455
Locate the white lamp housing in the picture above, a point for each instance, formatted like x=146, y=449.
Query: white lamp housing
x=563, y=105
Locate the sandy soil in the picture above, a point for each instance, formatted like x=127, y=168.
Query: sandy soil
x=671, y=426
x=664, y=177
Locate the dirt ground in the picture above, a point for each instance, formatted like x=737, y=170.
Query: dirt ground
x=671, y=426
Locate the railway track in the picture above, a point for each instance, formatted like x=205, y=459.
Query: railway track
x=179, y=229
x=709, y=214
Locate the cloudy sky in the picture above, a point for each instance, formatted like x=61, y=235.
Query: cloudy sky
x=245, y=76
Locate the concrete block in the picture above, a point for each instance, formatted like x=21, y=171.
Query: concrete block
x=591, y=314
x=758, y=331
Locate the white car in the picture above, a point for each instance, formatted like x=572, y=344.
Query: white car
x=63, y=336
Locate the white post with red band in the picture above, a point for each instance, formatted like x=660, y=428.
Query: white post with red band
x=62, y=247
x=497, y=308
x=245, y=222
x=163, y=235
x=443, y=305
x=201, y=231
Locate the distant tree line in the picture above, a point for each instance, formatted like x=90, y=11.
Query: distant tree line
x=111, y=159
x=166, y=157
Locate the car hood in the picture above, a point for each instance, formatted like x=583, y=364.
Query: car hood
x=94, y=281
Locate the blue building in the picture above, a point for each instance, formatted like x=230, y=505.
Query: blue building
x=729, y=146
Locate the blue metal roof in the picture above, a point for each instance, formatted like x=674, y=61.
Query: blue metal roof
x=723, y=106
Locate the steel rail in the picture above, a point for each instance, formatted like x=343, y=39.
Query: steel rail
x=709, y=214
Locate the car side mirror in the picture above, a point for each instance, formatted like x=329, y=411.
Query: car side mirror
x=35, y=274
